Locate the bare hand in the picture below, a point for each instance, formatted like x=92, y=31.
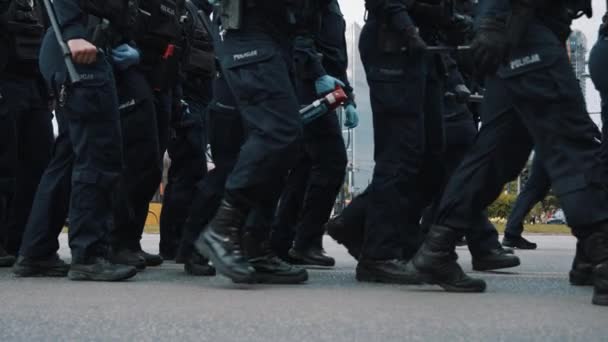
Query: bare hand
x=83, y=52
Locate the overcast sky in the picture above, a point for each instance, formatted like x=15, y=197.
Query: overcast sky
x=354, y=11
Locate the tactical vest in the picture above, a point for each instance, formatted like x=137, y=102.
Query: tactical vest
x=199, y=59
x=121, y=14
x=24, y=30
x=159, y=24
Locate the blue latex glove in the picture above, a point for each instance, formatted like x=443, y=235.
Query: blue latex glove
x=125, y=56
x=326, y=84
x=351, y=116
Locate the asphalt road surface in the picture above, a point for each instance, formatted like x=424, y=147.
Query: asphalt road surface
x=533, y=302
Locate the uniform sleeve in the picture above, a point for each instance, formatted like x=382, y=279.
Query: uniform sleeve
x=332, y=44
x=71, y=19
x=395, y=10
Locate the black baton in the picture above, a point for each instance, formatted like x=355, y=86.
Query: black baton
x=67, y=55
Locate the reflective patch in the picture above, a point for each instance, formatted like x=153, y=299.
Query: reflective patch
x=391, y=72
x=87, y=77
x=525, y=61
x=167, y=10
x=127, y=104
x=246, y=55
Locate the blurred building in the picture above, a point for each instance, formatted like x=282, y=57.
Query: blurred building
x=360, y=141
x=577, y=48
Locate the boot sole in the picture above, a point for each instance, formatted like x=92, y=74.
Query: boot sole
x=203, y=247
x=580, y=279
x=300, y=261
x=600, y=299
x=386, y=279
x=209, y=273
x=265, y=278
x=514, y=246
x=429, y=279
x=21, y=272
x=87, y=276
x=7, y=262
x=495, y=266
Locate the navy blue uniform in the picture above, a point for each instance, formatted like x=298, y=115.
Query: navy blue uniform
x=88, y=149
x=26, y=130
x=314, y=184
x=187, y=139
x=597, y=66
x=146, y=128
x=405, y=92
x=225, y=136
x=533, y=100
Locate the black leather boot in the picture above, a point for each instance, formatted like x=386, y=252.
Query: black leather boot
x=581, y=273
x=494, y=260
x=387, y=271
x=100, y=269
x=6, y=260
x=518, y=242
x=436, y=262
x=311, y=256
x=351, y=239
x=151, y=260
x=596, y=249
x=198, y=266
x=220, y=242
x=125, y=256
x=269, y=268
x=51, y=266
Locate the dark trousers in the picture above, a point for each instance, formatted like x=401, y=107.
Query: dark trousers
x=402, y=88
x=144, y=119
x=290, y=206
x=27, y=135
x=187, y=147
x=313, y=185
x=535, y=190
x=268, y=107
x=225, y=136
x=540, y=106
x=86, y=164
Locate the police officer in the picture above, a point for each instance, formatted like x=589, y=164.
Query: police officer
x=531, y=100
x=90, y=142
x=255, y=59
x=597, y=62
x=187, y=143
x=25, y=119
x=146, y=131
x=536, y=189
x=226, y=135
x=405, y=89
x=323, y=143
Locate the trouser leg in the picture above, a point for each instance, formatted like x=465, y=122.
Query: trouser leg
x=534, y=191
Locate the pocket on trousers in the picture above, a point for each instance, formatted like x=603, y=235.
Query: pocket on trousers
x=391, y=89
x=253, y=74
x=89, y=102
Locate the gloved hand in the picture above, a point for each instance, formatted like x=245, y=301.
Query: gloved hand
x=414, y=43
x=490, y=45
x=326, y=84
x=125, y=56
x=462, y=93
x=351, y=116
